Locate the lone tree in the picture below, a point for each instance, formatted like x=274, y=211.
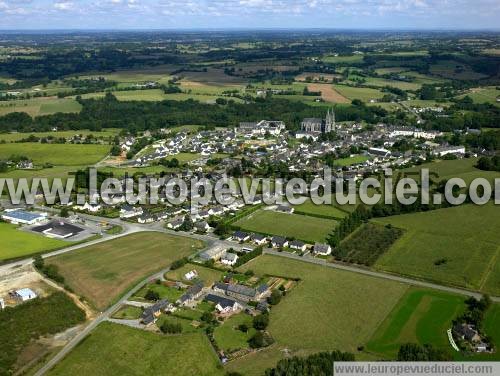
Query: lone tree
x=152, y=295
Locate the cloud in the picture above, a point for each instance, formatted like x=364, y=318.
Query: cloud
x=255, y=13
x=64, y=5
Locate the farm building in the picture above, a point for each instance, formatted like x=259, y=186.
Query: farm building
x=25, y=294
x=214, y=253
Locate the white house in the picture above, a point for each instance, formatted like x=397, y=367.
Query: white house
x=223, y=305
x=129, y=211
x=322, y=249
x=229, y=259
x=191, y=275
x=449, y=150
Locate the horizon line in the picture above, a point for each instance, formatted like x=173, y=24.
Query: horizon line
x=259, y=29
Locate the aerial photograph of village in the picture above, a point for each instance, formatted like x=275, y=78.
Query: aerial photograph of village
x=249, y=187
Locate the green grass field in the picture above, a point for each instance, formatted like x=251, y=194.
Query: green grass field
x=328, y=309
x=421, y=316
x=160, y=73
x=16, y=243
x=56, y=154
x=487, y=94
x=40, y=106
x=310, y=229
x=61, y=172
x=104, y=134
x=331, y=211
x=102, y=272
x=465, y=237
x=382, y=82
x=363, y=93
x=342, y=59
x=454, y=70
x=113, y=349
x=458, y=168
x=229, y=338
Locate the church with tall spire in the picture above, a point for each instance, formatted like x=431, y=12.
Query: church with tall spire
x=313, y=127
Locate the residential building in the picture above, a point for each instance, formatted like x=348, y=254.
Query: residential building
x=223, y=305
x=229, y=259
x=279, y=242
x=151, y=314
x=322, y=249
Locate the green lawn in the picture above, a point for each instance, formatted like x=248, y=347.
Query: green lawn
x=102, y=272
x=128, y=312
x=165, y=292
x=16, y=243
x=421, y=316
x=310, y=229
x=328, y=309
x=465, y=237
x=113, y=349
x=351, y=160
x=229, y=338
x=56, y=154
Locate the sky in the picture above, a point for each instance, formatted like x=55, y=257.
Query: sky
x=249, y=14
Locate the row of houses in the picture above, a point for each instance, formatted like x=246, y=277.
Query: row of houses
x=280, y=242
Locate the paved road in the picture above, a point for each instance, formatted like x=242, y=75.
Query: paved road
x=354, y=269
x=102, y=317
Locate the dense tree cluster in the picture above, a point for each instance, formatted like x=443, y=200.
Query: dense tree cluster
x=412, y=352
x=489, y=164
x=135, y=116
x=31, y=320
x=320, y=364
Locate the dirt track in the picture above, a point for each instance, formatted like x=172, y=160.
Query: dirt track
x=328, y=93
